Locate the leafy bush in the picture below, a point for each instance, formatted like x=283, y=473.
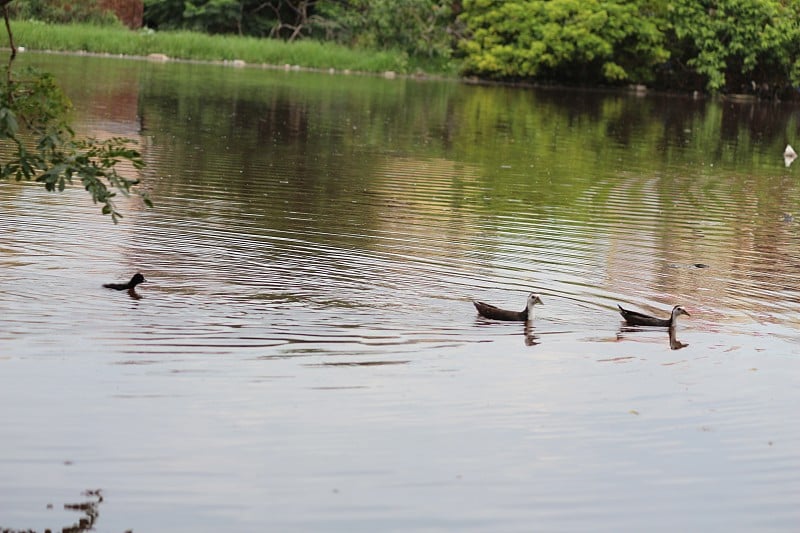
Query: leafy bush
x=736, y=45
x=718, y=45
x=565, y=40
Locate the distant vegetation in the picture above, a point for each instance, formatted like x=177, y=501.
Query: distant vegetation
x=183, y=44
x=750, y=46
x=723, y=45
x=59, y=11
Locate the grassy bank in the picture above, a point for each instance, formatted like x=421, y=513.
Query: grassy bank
x=197, y=46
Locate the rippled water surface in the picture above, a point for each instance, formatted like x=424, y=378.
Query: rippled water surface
x=305, y=354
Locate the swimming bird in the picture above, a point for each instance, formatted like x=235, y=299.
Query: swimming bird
x=490, y=311
x=635, y=318
x=135, y=280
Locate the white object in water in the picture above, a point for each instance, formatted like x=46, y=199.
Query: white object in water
x=789, y=155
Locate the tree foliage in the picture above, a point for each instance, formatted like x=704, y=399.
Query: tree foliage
x=417, y=27
x=62, y=11
x=287, y=19
x=713, y=45
x=575, y=40
x=736, y=44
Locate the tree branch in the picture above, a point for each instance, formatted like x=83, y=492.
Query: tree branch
x=4, y=4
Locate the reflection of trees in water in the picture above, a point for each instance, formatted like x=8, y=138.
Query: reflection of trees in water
x=89, y=509
x=686, y=181
x=319, y=118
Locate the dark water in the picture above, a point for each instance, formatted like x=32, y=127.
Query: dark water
x=305, y=354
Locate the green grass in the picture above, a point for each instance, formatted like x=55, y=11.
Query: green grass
x=39, y=36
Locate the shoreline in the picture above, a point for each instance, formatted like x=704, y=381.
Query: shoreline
x=240, y=63
x=640, y=91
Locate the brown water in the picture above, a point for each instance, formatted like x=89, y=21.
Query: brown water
x=305, y=354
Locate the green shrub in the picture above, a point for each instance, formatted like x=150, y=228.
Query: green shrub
x=585, y=41
x=737, y=45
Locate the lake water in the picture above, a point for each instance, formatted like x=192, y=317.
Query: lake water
x=305, y=355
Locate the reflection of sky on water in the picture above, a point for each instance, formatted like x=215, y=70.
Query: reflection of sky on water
x=305, y=354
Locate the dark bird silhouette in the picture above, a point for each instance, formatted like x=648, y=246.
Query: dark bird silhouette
x=635, y=318
x=135, y=280
x=490, y=311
